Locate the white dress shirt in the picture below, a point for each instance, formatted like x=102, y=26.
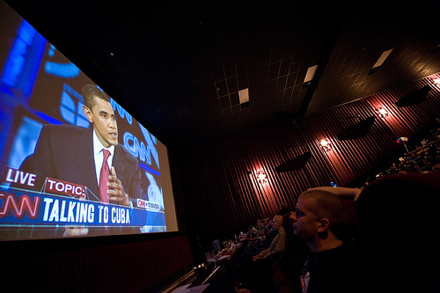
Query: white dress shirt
x=98, y=155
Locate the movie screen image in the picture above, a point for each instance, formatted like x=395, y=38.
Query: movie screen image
x=73, y=162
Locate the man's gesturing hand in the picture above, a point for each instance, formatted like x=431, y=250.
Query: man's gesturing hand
x=116, y=193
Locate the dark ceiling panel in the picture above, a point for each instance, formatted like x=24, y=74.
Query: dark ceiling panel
x=369, y=31
x=177, y=66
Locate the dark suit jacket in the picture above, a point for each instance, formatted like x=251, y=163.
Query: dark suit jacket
x=65, y=152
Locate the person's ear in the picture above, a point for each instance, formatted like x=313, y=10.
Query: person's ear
x=88, y=113
x=324, y=224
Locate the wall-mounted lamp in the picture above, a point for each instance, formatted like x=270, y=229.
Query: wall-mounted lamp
x=325, y=145
x=435, y=80
x=261, y=176
x=381, y=112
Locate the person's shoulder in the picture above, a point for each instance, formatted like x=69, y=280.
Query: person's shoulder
x=125, y=154
x=64, y=129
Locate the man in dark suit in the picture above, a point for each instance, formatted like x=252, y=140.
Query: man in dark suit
x=76, y=154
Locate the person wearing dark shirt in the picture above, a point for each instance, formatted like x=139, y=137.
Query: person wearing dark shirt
x=284, y=209
x=398, y=220
x=319, y=220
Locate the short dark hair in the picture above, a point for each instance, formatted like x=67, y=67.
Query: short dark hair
x=89, y=92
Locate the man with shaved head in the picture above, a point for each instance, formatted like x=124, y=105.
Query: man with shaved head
x=319, y=219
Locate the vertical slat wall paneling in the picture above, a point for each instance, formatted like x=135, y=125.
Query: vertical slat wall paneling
x=223, y=195
x=237, y=164
x=268, y=151
x=328, y=122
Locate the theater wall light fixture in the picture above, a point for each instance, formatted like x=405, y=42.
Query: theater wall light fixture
x=436, y=81
x=261, y=176
x=381, y=112
x=325, y=145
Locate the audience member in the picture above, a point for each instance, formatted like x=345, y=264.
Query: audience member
x=256, y=240
x=287, y=270
x=251, y=233
x=319, y=220
x=426, y=165
x=424, y=158
x=398, y=218
x=267, y=223
x=394, y=169
x=279, y=243
x=261, y=229
x=255, y=273
x=271, y=232
x=284, y=209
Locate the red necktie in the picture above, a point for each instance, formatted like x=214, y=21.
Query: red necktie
x=103, y=178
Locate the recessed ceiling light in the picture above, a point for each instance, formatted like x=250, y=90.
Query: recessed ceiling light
x=310, y=73
x=382, y=58
x=243, y=95
x=380, y=61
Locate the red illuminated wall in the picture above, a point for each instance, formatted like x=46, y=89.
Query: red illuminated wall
x=222, y=195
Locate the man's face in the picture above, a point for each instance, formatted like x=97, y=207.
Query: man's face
x=305, y=223
x=276, y=225
x=103, y=119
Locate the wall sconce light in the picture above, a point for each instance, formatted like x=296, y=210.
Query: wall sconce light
x=325, y=145
x=435, y=80
x=381, y=112
x=261, y=176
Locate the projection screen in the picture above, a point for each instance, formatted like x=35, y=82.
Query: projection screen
x=48, y=150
